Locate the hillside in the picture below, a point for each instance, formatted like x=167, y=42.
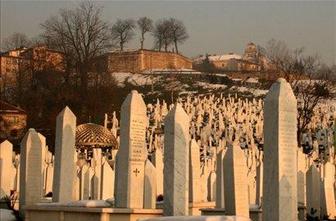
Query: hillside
x=171, y=86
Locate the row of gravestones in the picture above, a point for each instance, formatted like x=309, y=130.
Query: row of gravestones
x=280, y=132
x=209, y=117
x=90, y=181
x=10, y=169
x=199, y=108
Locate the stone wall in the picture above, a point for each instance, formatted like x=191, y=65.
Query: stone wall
x=144, y=60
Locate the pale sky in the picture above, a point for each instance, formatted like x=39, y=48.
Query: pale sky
x=214, y=26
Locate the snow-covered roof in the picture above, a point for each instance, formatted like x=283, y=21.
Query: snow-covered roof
x=223, y=57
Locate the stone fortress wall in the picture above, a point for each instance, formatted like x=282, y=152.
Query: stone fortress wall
x=144, y=60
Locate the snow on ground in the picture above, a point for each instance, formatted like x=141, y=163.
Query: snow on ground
x=134, y=79
x=258, y=92
x=167, y=70
x=255, y=92
x=211, y=86
x=252, y=81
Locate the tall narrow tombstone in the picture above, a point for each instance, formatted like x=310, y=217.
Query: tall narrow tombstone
x=65, y=157
x=259, y=182
x=76, y=190
x=150, y=186
x=235, y=182
x=31, y=171
x=280, y=146
x=132, y=153
x=220, y=202
x=204, y=184
x=211, y=186
x=49, y=173
x=176, y=162
x=313, y=192
x=17, y=175
x=85, y=182
x=44, y=165
x=301, y=178
x=6, y=168
x=107, y=178
x=328, y=191
x=97, y=166
x=158, y=163
x=194, y=173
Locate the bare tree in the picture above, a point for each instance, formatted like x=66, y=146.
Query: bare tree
x=123, y=31
x=145, y=25
x=178, y=32
x=302, y=72
x=81, y=34
x=15, y=40
x=162, y=34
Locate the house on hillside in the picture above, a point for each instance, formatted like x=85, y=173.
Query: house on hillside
x=27, y=60
x=13, y=122
x=250, y=61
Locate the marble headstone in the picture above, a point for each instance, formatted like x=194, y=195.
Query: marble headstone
x=220, y=202
x=131, y=156
x=195, y=173
x=150, y=186
x=328, y=204
x=31, y=171
x=235, y=182
x=6, y=168
x=176, y=162
x=313, y=191
x=65, y=157
x=280, y=153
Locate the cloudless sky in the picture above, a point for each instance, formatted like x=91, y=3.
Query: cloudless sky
x=214, y=26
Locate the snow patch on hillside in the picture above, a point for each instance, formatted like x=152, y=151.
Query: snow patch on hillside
x=134, y=79
x=205, y=85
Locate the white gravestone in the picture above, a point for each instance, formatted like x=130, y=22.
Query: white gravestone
x=211, y=186
x=301, y=178
x=31, y=171
x=97, y=167
x=328, y=206
x=130, y=164
x=107, y=181
x=235, y=181
x=195, y=173
x=280, y=153
x=158, y=163
x=64, y=180
x=176, y=162
x=6, y=168
x=150, y=186
x=313, y=192
x=220, y=180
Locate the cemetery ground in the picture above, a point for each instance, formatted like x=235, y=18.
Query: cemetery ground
x=187, y=145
